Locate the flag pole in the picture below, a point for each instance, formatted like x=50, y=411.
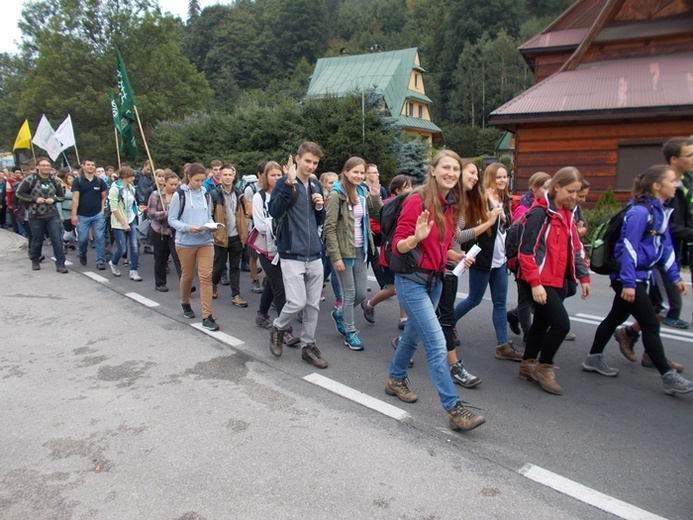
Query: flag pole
x=33, y=153
x=77, y=154
x=115, y=132
x=149, y=156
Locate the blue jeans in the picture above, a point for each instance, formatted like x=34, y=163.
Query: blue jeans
x=497, y=279
x=133, y=243
x=420, y=305
x=97, y=224
x=54, y=226
x=353, y=281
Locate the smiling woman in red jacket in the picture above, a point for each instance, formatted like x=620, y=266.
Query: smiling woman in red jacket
x=550, y=251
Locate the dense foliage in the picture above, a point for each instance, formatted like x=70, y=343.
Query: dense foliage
x=230, y=80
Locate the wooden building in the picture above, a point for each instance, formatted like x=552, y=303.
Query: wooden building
x=395, y=75
x=614, y=81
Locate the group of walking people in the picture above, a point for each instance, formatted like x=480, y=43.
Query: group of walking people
x=302, y=231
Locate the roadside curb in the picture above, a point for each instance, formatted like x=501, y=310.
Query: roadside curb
x=11, y=242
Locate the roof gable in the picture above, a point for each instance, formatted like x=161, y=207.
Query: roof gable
x=387, y=73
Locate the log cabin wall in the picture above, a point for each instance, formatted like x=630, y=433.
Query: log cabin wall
x=593, y=148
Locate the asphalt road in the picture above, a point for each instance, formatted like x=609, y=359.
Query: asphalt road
x=112, y=409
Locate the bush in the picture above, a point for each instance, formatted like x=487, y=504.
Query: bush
x=605, y=207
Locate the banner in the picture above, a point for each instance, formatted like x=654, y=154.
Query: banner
x=45, y=138
x=23, y=137
x=127, y=100
x=65, y=134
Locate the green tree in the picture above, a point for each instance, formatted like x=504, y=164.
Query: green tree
x=85, y=32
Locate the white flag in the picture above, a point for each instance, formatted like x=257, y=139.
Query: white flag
x=44, y=137
x=65, y=134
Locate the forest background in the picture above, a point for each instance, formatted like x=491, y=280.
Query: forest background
x=230, y=81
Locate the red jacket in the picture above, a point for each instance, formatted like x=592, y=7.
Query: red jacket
x=550, y=249
x=433, y=254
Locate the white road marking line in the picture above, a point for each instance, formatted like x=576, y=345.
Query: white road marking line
x=358, y=397
x=221, y=336
x=587, y=495
x=67, y=262
x=141, y=299
x=95, y=277
x=686, y=337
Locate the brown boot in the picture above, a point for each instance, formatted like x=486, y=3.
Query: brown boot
x=528, y=370
x=647, y=363
x=507, y=352
x=547, y=379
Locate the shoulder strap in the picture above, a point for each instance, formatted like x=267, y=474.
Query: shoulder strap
x=181, y=199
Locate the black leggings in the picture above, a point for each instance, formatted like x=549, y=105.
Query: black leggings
x=446, y=309
x=274, y=290
x=643, y=312
x=549, y=328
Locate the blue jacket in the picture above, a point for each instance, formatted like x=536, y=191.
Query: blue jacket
x=639, y=253
x=196, y=212
x=298, y=237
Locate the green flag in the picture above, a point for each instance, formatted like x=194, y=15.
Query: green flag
x=127, y=99
x=125, y=128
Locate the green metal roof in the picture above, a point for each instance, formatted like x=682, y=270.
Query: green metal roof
x=419, y=124
x=504, y=142
x=413, y=94
x=388, y=73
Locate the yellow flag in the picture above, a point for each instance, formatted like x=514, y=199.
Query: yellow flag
x=23, y=137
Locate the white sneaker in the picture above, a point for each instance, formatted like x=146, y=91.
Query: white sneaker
x=114, y=269
x=135, y=276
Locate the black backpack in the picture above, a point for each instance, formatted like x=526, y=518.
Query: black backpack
x=389, y=215
x=513, y=239
x=607, y=234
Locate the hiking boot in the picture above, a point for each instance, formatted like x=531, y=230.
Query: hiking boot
x=626, y=342
x=462, y=377
x=595, y=363
x=676, y=384
x=187, y=311
x=82, y=260
x=35, y=265
x=61, y=269
x=353, y=341
x=263, y=320
x=570, y=337
x=647, y=363
x=238, y=301
x=310, y=354
x=338, y=322
x=215, y=292
x=289, y=339
x=528, y=370
x=507, y=352
x=676, y=323
x=161, y=288
x=401, y=390
x=135, y=276
x=547, y=379
x=455, y=338
x=114, y=269
x=463, y=419
x=209, y=323
x=513, y=322
x=255, y=287
x=276, y=341
x=225, y=279
x=368, y=311
x=101, y=266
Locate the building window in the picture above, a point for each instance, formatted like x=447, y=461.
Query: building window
x=633, y=159
x=416, y=80
x=421, y=112
x=410, y=110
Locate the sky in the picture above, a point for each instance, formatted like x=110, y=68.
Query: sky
x=11, y=12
